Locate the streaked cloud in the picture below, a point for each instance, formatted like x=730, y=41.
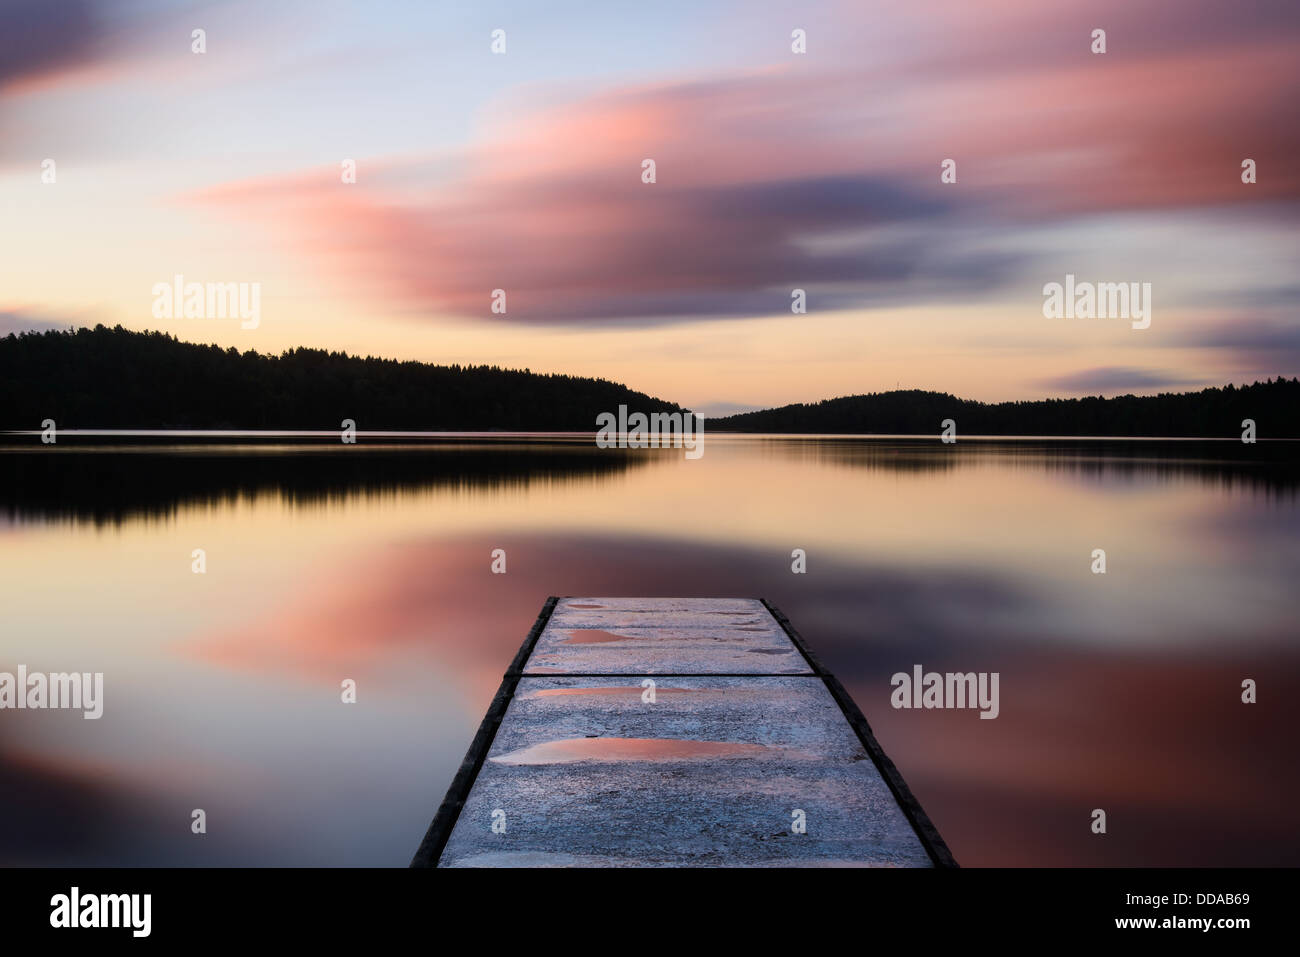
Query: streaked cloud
x=1112, y=380
x=1253, y=343
x=775, y=179
x=774, y=172
x=12, y=322
x=41, y=38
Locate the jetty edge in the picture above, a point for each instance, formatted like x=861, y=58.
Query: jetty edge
x=746, y=728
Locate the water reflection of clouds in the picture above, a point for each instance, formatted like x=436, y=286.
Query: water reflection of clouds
x=1158, y=735
x=1123, y=695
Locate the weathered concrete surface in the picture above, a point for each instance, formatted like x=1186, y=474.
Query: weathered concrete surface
x=653, y=636
x=661, y=605
x=588, y=773
x=584, y=770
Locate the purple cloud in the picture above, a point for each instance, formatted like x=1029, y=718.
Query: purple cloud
x=38, y=37
x=1113, y=379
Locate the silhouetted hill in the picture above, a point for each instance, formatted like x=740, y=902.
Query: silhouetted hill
x=1274, y=405
x=119, y=379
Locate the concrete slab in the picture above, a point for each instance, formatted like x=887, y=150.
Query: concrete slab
x=587, y=772
x=723, y=605
x=656, y=619
x=683, y=636
x=744, y=737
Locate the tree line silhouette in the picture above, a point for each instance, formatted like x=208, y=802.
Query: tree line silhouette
x=1273, y=405
x=120, y=379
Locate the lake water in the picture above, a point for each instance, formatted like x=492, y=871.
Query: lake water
x=372, y=562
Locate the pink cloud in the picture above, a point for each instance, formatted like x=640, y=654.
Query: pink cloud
x=752, y=167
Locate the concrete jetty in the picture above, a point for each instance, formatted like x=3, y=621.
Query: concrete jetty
x=675, y=732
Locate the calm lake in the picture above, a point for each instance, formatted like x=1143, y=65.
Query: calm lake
x=1120, y=691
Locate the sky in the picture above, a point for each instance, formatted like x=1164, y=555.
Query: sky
x=775, y=170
